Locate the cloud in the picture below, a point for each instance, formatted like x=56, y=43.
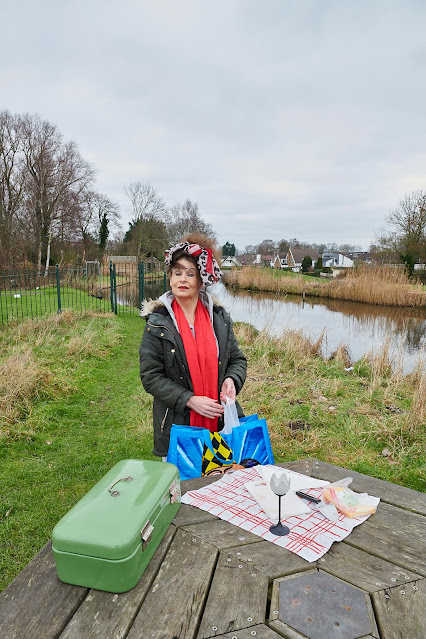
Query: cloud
x=281, y=119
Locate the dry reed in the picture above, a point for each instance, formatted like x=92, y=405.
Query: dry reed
x=22, y=378
x=381, y=285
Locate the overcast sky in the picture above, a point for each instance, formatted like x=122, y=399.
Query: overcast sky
x=280, y=118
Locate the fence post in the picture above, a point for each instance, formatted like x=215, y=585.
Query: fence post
x=115, y=289
x=111, y=286
x=58, y=289
x=141, y=270
x=165, y=281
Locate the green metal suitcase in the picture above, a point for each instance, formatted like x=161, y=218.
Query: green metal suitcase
x=108, y=538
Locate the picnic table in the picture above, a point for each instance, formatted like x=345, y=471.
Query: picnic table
x=210, y=578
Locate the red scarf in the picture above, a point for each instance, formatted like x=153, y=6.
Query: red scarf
x=201, y=354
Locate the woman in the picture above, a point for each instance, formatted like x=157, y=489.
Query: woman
x=189, y=356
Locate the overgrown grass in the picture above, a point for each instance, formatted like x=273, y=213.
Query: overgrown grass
x=71, y=406
x=70, y=409
x=383, y=285
x=371, y=418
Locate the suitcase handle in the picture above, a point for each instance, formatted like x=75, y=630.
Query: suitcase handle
x=115, y=493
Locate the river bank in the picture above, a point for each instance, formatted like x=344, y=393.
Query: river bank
x=381, y=285
x=72, y=406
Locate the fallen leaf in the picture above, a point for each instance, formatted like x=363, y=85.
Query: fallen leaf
x=48, y=442
x=386, y=452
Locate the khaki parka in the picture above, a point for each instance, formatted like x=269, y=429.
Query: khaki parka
x=164, y=368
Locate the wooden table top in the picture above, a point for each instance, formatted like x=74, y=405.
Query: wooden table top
x=210, y=578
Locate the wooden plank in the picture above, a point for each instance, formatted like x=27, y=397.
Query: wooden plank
x=269, y=559
x=303, y=466
x=174, y=605
x=36, y=603
x=260, y=632
x=105, y=614
x=362, y=569
x=237, y=598
x=222, y=534
x=187, y=515
x=393, y=534
x=388, y=492
x=196, y=483
x=401, y=612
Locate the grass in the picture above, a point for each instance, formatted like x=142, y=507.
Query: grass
x=43, y=302
x=381, y=285
x=71, y=406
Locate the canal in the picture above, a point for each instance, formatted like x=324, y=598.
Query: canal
x=362, y=328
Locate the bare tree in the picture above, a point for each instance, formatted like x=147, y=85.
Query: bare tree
x=148, y=222
x=184, y=219
x=56, y=173
x=406, y=241
x=11, y=185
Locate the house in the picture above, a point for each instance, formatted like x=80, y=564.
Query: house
x=153, y=265
x=360, y=256
x=295, y=258
x=247, y=258
x=230, y=261
x=124, y=264
x=263, y=260
x=279, y=260
x=341, y=260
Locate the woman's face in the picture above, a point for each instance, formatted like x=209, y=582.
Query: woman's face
x=185, y=280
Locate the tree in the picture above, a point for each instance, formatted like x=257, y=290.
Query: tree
x=406, y=241
x=184, y=219
x=228, y=249
x=282, y=246
x=267, y=247
x=55, y=174
x=11, y=186
x=147, y=230
x=306, y=264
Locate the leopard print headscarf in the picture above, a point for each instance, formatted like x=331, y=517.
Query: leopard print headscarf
x=207, y=266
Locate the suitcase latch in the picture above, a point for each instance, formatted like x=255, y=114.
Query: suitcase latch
x=146, y=534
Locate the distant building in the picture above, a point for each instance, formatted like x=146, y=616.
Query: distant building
x=229, y=261
x=247, y=259
x=279, y=260
x=360, y=256
x=152, y=264
x=341, y=260
x=295, y=258
x=123, y=263
x=263, y=260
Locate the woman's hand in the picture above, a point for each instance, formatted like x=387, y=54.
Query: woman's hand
x=205, y=406
x=228, y=389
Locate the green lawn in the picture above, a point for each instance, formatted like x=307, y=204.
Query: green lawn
x=94, y=415
x=72, y=406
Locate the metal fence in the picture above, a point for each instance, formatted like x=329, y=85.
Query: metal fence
x=117, y=288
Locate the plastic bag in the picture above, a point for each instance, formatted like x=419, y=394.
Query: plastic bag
x=230, y=416
x=347, y=502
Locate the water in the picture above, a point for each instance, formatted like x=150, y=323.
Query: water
x=361, y=327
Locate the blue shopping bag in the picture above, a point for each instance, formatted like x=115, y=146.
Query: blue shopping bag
x=248, y=440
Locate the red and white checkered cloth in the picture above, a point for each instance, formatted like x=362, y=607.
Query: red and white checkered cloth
x=310, y=535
